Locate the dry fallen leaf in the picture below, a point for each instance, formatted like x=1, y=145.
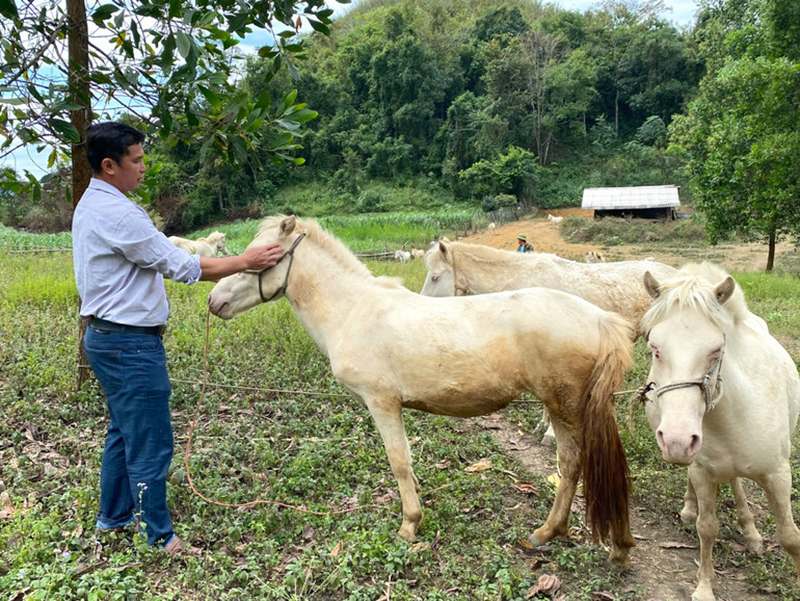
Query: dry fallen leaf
x=419, y=547
x=482, y=465
x=336, y=551
x=547, y=585
x=526, y=488
x=7, y=508
x=555, y=480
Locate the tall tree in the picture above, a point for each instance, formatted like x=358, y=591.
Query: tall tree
x=741, y=131
x=172, y=64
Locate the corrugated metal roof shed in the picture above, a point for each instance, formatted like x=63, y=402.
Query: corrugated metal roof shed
x=637, y=197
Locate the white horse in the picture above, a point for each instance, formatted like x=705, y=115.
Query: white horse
x=402, y=255
x=456, y=268
x=554, y=219
x=205, y=247
x=417, y=253
x=462, y=357
x=724, y=400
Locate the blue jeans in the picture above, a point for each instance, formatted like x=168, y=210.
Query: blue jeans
x=132, y=369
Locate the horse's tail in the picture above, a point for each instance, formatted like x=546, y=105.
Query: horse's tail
x=606, y=479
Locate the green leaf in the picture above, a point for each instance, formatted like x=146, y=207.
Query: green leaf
x=212, y=98
x=8, y=9
x=65, y=130
x=320, y=27
x=104, y=12
x=184, y=43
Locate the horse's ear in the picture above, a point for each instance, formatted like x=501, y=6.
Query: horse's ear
x=443, y=249
x=287, y=225
x=724, y=291
x=651, y=285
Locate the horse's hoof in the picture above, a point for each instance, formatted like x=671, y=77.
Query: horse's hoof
x=755, y=547
x=688, y=517
x=534, y=541
x=620, y=559
x=408, y=534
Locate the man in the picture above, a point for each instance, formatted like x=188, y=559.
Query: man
x=524, y=247
x=120, y=262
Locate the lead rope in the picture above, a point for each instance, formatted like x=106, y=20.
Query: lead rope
x=249, y=503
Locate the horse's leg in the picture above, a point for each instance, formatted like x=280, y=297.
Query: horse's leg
x=778, y=487
x=752, y=538
x=689, y=511
x=550, y=436
x=707, y=530
x=389, y=419
x=569, y=462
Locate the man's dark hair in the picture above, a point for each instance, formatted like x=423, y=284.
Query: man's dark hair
x=110, y=140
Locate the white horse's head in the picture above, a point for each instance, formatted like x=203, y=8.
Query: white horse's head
x=440, y=280
x=686, y=331
x=237, y=294
x=217, y=241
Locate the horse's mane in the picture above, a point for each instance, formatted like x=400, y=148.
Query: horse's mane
x=213, y=237
x=693, y=288
x=335, y=247
x=482, y=253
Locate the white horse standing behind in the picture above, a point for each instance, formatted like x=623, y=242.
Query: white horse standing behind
x=710, y=352
x=459, y=268
x=205, y=247
x=462, y=357
x=402, y=255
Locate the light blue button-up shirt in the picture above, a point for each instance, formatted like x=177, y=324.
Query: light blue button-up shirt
x=121, y=259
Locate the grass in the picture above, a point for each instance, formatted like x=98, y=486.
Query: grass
x=293, y=436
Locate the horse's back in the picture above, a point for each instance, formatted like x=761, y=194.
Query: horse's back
x=497, y=345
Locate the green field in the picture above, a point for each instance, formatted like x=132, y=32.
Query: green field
x=275, y=425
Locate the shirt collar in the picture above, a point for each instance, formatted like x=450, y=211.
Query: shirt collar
x=100, y=185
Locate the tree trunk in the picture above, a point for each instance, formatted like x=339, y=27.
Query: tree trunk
x=771, y=253
x=78, y=42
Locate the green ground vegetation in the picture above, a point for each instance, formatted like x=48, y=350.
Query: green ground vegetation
x=275, y=425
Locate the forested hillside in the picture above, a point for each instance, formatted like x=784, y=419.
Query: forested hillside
x=481, y=102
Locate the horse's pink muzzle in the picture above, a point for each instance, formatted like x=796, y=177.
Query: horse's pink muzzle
x=679, y=448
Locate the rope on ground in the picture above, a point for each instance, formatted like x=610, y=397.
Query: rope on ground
x=249, y=503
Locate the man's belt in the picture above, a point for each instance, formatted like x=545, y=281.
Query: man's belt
x=110, y=326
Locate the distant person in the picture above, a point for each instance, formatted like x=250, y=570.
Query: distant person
x=524, y=247
x=120, y=261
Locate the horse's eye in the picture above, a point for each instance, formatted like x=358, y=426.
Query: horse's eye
x=434, y=278
x=656, y=352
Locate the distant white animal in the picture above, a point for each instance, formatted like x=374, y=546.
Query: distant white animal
x=491, y=226
x=595, y=256
x=554, y=219
x=402, y=255
x=205, y=247
x=417, y=253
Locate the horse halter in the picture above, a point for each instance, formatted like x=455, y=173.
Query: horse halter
x=282, y=288
x=703, y=383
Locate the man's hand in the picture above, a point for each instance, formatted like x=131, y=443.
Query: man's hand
x=253, y=259
x=262, y=257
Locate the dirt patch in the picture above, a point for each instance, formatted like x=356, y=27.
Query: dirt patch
x=663, y=565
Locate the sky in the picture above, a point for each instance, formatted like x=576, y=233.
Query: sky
x=682, y=15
